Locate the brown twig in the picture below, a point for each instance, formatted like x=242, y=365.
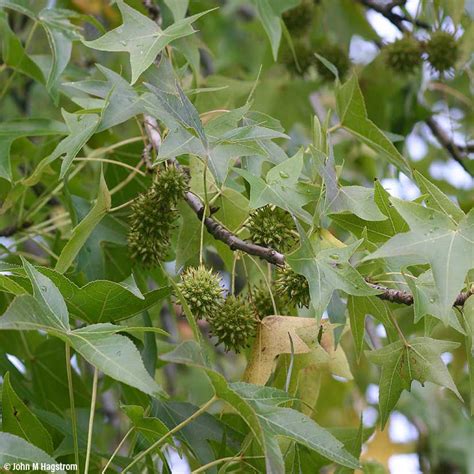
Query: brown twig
x=387, y=11
x=445, y=141
x=403, y=297
x=219, y=232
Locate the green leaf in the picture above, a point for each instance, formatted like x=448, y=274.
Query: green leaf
x=13, y=129
x=48, y=296
x=294, y=425
x=190, y=353
x=82, y=231
x=327, y=269
x=118, y=98
x=10, y=286
x=359, y=307
x=357, y=200
x=437, y=199
x=353, y=116
x=468, y=313
x=168, y=102
x=19, y=6
x=113, y=354
x=81, y=128
x=151, y=428
x=258, y=393
x=178, y=8
x=17, y=419
x=49, y=378
x=379, y=231
x=60, y=33
x=44, y=310
x=281, y=187
x=264, y=420
x=94, y=258
x=103, y=301
x=16, y=450
x=25, y=313
x=233, y=209
x=141, y=37
x=13, y=53
x=271, y=22
x=435, y=239
x=99, y=344
x=202, y=434
x=426, y=299
x=402, y=362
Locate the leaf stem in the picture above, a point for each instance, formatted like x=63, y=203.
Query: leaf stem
x=91, y=419
x=72, y=405
x=267, y=283
x=117, y=449
x=181, y=425
x=334, y=128
x=223, y=460
x=201, y=244
x=122, y=206
x=114, y=162
x=232, y=279
x=397, y=327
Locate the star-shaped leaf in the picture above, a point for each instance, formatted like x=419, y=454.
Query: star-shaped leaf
x=436, y=199
x=14, y=129
x=141, y=37
x=402, y=362
x=327, y=268
x=81, y=128
x=426, y=299
x=436, y=239
x=376, y=231
x=117, y=96
x=357, y=200
x=281, y=187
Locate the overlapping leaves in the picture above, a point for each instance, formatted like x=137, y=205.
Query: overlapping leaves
x=437, y=239
x=141, y=37
x=264, y=418
x=99, y=344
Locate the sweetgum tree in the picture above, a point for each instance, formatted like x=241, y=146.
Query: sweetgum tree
x=219, y=250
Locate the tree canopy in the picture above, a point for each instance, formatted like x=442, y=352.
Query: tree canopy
x=237, y=236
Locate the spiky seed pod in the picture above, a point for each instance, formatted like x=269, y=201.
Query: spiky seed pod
x=403, y=55
x=442, y=51
x=261, y=301
x=293, y=286
x=299, y=19
x=202, y=290
x=272, y=227
x=171, y=184
x=151, y=222
x=335, y=55
x=152, y=217
x=234, y=324
x=303, y=53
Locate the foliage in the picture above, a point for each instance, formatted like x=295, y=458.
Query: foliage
x=221, y=243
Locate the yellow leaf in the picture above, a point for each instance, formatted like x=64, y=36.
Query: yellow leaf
x=276, y=335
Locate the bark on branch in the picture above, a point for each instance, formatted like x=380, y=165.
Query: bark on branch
x=387, y=11
x=219, y=232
